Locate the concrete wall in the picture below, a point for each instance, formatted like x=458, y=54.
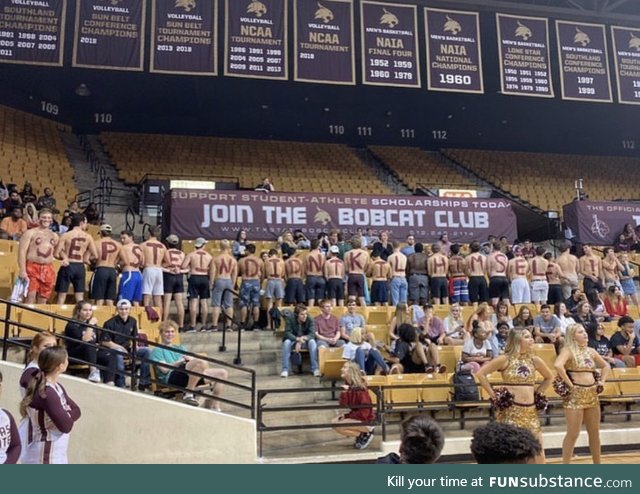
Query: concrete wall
x=123, y=427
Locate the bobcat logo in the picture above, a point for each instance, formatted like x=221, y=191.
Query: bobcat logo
x=452, y=26
x=389, y=19
x=581, y=37
x=599, y=227
x=634, y=42
x=523, y=31
x=187, y=5
x=114, y=2
x=322, y=217
x=323, y=14
x=257, y=8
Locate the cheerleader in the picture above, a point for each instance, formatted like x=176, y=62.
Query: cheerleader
x=40, y=342
x=49, y=409
x=580, y=385
x=10, y=445
x=517, y=403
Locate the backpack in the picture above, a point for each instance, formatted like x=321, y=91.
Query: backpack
x=465, y=388
x=276, y=317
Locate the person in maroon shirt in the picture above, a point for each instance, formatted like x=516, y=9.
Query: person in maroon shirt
x=327, y=327
x=10, y=445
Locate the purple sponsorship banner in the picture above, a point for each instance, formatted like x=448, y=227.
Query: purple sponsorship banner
x=454, y=55
x=584, y=63
x=389, y=44
x=256, y=39
x=626, y=50
x=599, y=223
x=32, y=32
x=523, y=45
x=220, y=214
x=324, y=41
x=183, y=37
x=109, y=34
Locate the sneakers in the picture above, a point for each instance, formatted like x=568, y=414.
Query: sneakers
x=190, y=400
x=284, y=374
x=441, y=369
x=428, y=369
x=363, y=440
x=189, y=329
x=94, y=375
x=316, y=373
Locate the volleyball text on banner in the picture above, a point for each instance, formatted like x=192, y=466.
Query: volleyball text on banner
x=256, y=39
x=109, y=35
x=626, y=52
x=324, y=41
x=454, y=56
x=221, y=214
x=32, y=32
x=523, y=46
x=389, y=44
x=584, y=63
x=183, y=36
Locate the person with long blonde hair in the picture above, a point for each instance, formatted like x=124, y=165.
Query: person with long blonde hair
x=576, y=365
x=482, y=315
x=518, y=366
x=355, y=394
x=50, y=411
x=39, y=342
x=400, y=317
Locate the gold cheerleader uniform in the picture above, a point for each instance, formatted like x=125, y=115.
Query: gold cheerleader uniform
x=520, y=371
x=581, y=396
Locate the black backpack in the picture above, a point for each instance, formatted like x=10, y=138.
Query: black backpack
x=465, y=388
x=276, y=318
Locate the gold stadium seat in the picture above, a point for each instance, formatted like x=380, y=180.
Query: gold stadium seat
x=34, y=319
x=330, y=362
x=547, y=352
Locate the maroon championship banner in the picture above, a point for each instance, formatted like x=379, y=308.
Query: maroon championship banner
x=221, y=214
x=626, y=51
x=389, y=44
x=256, y=39
x=109, y=34
x=523, y=45
x=183, y=37
x=599, y=223
x=324, y=41
x=32, y=32
x=584, y=63
x=454, y=59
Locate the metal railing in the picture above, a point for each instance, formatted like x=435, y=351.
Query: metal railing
x=11, y=337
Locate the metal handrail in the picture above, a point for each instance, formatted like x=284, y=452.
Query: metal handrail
x=183, y=176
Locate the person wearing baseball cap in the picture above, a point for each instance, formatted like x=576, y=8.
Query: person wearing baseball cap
x=199, y=242
x=199, y=265
x=173, y=279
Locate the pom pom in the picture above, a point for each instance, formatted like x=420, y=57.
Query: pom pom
x=561, y=387
x=503, y=399
x=540, y=400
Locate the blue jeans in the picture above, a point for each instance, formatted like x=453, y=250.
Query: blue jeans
x=145, y=376
x=398, y=288
x=287, y=345
x=368, y=361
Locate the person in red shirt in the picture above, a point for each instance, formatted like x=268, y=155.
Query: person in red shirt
x=14, y=225
x=615, y=303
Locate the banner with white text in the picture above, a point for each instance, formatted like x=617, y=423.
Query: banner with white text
x=626, y=54
x=221, y=214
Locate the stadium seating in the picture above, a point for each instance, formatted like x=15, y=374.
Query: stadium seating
x=292, y=167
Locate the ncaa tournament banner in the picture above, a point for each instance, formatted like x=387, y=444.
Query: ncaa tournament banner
x=217, y=214
x=109, y=34
x=523, y=46
x=183, y=37
x=599, y=223
x=389, y=44
x=32, y=32
x=454, y=55
x=256, y=39
x=584, y=63
x=626, y=51
x=324, y=41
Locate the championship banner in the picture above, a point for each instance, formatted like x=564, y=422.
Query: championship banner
x=523, y=46
x=626, y=50
x=32, y=32
x=256, y=39
x=221, y=214
x=599, y=223
x=389, y=44
x=183, y=37
x=109, y=34
x=584, y=63
x=454, y=55
x=324, y=41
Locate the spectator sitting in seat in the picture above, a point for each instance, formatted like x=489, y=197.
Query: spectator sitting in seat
x=13, y=202
x=27, y=194
x=299, y=333
x=524, y=318
x=120, y=343
x=625, y=344
x=614, y=302
x=476, y=351
x=498, y=443
x=410, y=356
x=327, y=327
x=601, y=344
x=547, y=327
x=454, y=327
x=421, y=442
x=351, y=319
x=172, y=373
x=47, y=200
x=14, y=226
x=363, y=353
x=266, y=186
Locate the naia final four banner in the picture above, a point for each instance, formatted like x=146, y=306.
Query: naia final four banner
x=221, y=214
